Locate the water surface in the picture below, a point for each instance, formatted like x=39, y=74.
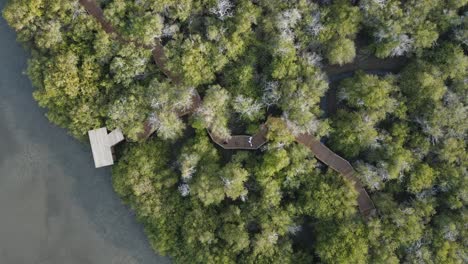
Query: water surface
x=55, y=207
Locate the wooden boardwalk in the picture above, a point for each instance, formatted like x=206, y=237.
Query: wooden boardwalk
x=246, y=142
x=321, y=152
x=337, y=163
x=93, y=8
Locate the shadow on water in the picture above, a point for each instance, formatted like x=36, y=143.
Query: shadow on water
x=55, y=206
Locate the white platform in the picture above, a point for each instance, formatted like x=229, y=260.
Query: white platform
x=101, y=145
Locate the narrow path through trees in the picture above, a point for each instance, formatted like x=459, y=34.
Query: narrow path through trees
x=322, y=153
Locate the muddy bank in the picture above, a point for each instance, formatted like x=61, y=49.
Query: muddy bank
x=55, y=207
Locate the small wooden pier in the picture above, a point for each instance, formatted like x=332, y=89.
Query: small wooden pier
x=101, y=145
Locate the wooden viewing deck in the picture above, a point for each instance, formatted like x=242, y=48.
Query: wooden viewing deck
x=101, y=145
x=321, y=152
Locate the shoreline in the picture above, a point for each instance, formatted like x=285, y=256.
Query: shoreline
x=56, y=207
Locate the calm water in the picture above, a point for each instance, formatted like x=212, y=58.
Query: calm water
x=55, y=207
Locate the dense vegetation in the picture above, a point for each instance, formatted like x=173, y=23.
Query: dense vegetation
x=404, y=133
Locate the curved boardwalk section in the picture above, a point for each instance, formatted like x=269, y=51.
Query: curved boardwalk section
x=238, y=142
x=245, y=142
x=95, y=10
x=337, y=163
